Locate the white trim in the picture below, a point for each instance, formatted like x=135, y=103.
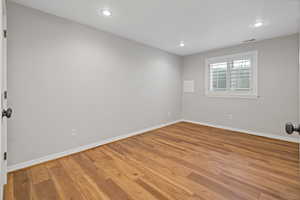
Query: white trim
x=231, y=56
x=233, y=94
x=2, y=191
x=83, y=148
x=268, y=135
x=109, y=140
x=3, y=80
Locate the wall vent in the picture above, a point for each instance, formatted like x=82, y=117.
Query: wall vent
x=251, y=40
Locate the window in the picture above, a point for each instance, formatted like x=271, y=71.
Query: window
x=232, y=75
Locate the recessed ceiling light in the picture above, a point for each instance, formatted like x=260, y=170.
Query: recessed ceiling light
x=258, y=24
x=181, y=44
x=106, y=12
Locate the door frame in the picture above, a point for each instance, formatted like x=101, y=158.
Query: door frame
x=299, y=89
x=3, y=101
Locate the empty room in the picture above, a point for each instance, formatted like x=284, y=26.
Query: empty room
x=150, y=100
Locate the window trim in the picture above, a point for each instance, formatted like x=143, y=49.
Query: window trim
x=233, y=94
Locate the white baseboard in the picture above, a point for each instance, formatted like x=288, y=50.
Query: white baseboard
x=82, y=148
x=109, y=140
x=268, y=135
x=1, y=191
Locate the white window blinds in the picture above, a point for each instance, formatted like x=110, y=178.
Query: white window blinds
x=240, y=75
x=232, y=75
x=218, y=76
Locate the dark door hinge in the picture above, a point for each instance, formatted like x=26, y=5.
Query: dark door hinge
x=5, y=156
x=5, y=94
x=5, y=33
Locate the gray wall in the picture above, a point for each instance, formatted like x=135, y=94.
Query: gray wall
x=64, y=76
x=277, y=89
x=71, y=85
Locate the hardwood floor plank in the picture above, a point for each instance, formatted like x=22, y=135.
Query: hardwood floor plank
x=64, y=184
x=166, y=173
x=215, y=186
x=22, y=188
x=82, y=181
x=105, y=184
x=183, y=161
x=46, y=190
x=174, y=190
x=9, y=188
x=121, y=177
x=152, y=190
x=38, y=174
x=267, y=197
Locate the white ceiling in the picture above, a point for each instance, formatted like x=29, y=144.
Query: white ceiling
x=202, y=24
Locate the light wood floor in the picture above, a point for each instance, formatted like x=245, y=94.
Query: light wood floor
x=181, y=161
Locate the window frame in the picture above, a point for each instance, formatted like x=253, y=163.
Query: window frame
x=233, y=94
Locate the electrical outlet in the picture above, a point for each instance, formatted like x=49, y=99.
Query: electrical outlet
x=169, y=114
x=229, y=116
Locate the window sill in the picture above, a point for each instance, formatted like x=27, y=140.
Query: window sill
x=241, y=96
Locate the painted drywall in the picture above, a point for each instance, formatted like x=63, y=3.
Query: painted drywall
x=71, y=85
x=277, y=89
